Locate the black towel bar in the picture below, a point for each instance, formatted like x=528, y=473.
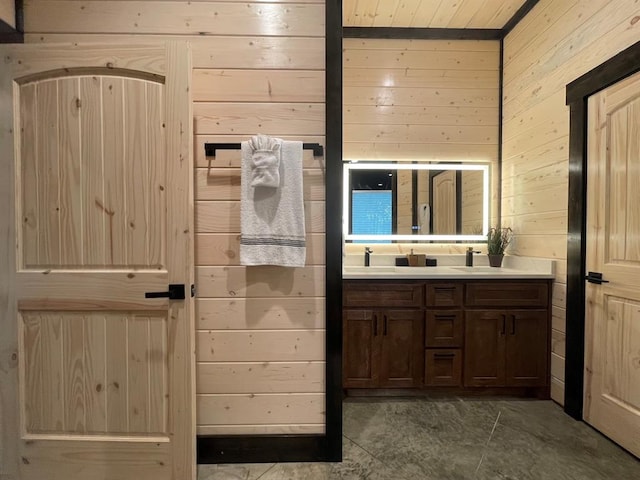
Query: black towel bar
x=210, y=148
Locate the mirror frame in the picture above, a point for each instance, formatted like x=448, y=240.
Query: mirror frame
x=357, y=165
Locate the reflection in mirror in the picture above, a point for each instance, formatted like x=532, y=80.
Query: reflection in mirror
x=415, y=201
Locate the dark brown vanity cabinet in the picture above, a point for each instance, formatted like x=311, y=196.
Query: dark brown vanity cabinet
x=461, y=334
x=382, y=344
x=507, y=345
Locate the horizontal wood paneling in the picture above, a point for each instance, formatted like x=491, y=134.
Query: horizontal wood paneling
x=160, y=17
x=262, y=281
x=260, y=345
x=265, y=118
x=227, y=85
x=219, y=51
x=553, y=45
x=258, y=68
x=260, y=409
x=429, y=14
x=260, y=313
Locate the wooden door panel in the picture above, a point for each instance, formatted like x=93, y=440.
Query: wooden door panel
x=361, y=349
x=527, y=352
x=95, y=373
x=83, y=203
x=484, y=348
x=402, y=354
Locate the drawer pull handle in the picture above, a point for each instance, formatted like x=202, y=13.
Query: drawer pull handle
x=445, y=317
x=444, y=355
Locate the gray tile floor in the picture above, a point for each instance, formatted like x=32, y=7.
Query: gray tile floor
x=442, y=439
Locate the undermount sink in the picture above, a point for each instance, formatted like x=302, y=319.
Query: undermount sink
x=477, y=269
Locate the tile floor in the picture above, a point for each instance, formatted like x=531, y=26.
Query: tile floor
x=451, y=439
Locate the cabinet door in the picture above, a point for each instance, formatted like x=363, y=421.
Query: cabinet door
x=527, y=349
x=402, y=356
x=484, y=348
x=361, y=348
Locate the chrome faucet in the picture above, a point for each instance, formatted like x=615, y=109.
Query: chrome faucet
x=367, y=256
x=469, y=259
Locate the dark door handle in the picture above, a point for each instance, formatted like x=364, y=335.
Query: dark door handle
x=385, y=325
x=595, y=277
x=176, y=292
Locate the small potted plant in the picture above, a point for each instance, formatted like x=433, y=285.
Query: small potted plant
x=497, y=241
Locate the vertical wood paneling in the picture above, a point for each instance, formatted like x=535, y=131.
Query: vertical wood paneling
x=117, y=374
x=135, y=157
x=53, y=381
x=71, y=228
x=94, y=217
x=30, y=184
x=95, y=368
x=113, y=153
x=74, y=375
x=157, y=172
x=90, y=373
x=47, y=149
x=556, y=43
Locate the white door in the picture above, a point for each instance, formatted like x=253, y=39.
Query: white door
x=96, y=209
x=612, y=341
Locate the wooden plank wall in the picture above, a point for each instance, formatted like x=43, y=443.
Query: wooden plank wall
x=558, y=41
x=258, y=68
x=412, y=100
x=8, y=12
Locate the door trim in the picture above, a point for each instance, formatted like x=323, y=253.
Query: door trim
x=622, y=65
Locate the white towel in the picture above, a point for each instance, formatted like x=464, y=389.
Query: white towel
x=272, y=219
x=265, y=161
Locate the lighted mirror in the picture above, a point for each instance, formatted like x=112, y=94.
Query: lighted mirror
x=386, y=202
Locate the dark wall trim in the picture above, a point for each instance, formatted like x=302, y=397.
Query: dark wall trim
x=422, y=33
x=262, y=449
x=617, y=68
x=8, y=34
x=327, y=447
x=498, y=172
x=519, y=15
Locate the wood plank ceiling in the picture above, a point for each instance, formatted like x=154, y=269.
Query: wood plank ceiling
x=488, y=14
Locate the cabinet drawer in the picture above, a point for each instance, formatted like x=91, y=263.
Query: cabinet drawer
x=507, y=294
x=443, y=367
x=444, y=328
x=444, y=294
x=382, y=295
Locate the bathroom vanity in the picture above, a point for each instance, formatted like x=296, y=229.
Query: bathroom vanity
x=463, y=329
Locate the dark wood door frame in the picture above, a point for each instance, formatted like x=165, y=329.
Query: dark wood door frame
x=623, y=65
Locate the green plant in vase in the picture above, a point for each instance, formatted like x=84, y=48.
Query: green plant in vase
x=497, y=241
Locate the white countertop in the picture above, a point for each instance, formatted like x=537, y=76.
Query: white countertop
x=451, y=267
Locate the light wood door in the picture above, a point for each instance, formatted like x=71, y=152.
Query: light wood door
x=444, y=203
x=96, y=381
x=612, y=341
